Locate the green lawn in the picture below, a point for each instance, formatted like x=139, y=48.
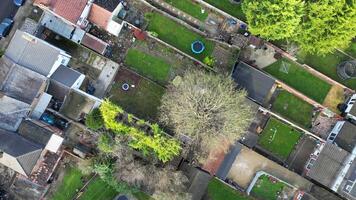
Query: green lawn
x=177, y=35
x=327, y=64
x=352, y=49
x=98, y=190
x=228, y=7
x=71, y=182
x=266, y=189
x=189, y=7
x=219, y=191
x=143, y=100
x=279, y=138
x=147, y=65
x=295, y=76
x=293, y=108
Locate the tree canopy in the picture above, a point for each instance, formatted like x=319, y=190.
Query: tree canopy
x=317, y=26
x=273, y=19
x=327, y=25
x=207, y=108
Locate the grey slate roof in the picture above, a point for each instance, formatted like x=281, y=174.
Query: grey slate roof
x=328, y=164
x=18, y=82
x=65, y=76
x=32, y=53
x=57, y=90
x=26, y=152
x=35, y=133
x=346, y=138
x=11, y=112
x=257, y=84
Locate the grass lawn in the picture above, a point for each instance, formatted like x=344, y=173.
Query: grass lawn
x=266, y=189
x=189, y=7
x=293, y=108
x=219, y=191
x=327, y=65
x=142, y=100
x=279, y=138
x=300, y=79
x=147, y=65
x=352, y=49
x=98, y=190
x=71, y=182
x=177, y=35
x=228, y=7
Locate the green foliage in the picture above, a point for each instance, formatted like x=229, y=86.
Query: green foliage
x=273, y=19
x=317, y=26
x=209, y=60
x=327, y=25
x=105, y=143
x=94, y=120
x=160, y=145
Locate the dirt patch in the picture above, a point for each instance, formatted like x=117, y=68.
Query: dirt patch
x=334, y=98
x=248, y=163
x=226, y=57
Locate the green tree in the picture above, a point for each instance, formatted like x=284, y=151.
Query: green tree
x=273, y=19
x=94, y=120
x=207, y=108
x=327, y=24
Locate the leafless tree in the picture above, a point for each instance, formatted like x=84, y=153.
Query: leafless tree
x=207, y=108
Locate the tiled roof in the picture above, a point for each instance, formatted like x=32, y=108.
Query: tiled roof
x=68, y=9
x=94, y=43
x=99, y=16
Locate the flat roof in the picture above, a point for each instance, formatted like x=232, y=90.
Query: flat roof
x=257, y=84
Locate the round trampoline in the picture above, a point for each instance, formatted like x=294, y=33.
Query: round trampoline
x=347, y=70
x=197, y=47
x=125, y=87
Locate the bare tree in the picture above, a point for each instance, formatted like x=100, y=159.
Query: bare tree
x=149, y=176
x=207, y=108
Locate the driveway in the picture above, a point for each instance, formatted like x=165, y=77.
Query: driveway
x=7, y=9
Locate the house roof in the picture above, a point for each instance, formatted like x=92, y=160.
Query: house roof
x=94, y=43
x=76, y=105
x=257, y=84
x=57, y=25
x=68, y=9
x=25, y=151
x=65, y=76
x=34, y=133
x=19, y=83
x=109, y=5
x=346, y=138
x=12, y=112
x=99, y=16
x=328, y=164
x=353, y=110
x=32, y=53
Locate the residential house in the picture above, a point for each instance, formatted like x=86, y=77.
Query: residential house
x=12, y=112
x=35, y=54
x=72, y=19
x=19, y=82
x=18, y=153
x=258, y=85
x=37, y=132
x=343, y=135
x=334, y=168
x=350, y=110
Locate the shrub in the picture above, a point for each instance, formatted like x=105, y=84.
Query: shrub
x=105, y=143
x=159, y=144
x=94, y=120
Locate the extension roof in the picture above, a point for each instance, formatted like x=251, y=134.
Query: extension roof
x=257, y=84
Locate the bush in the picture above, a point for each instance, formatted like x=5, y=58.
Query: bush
x=160, y=145
x=94, y=120
x=106, y=143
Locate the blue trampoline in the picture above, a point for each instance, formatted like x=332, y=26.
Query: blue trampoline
x=197, y=47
